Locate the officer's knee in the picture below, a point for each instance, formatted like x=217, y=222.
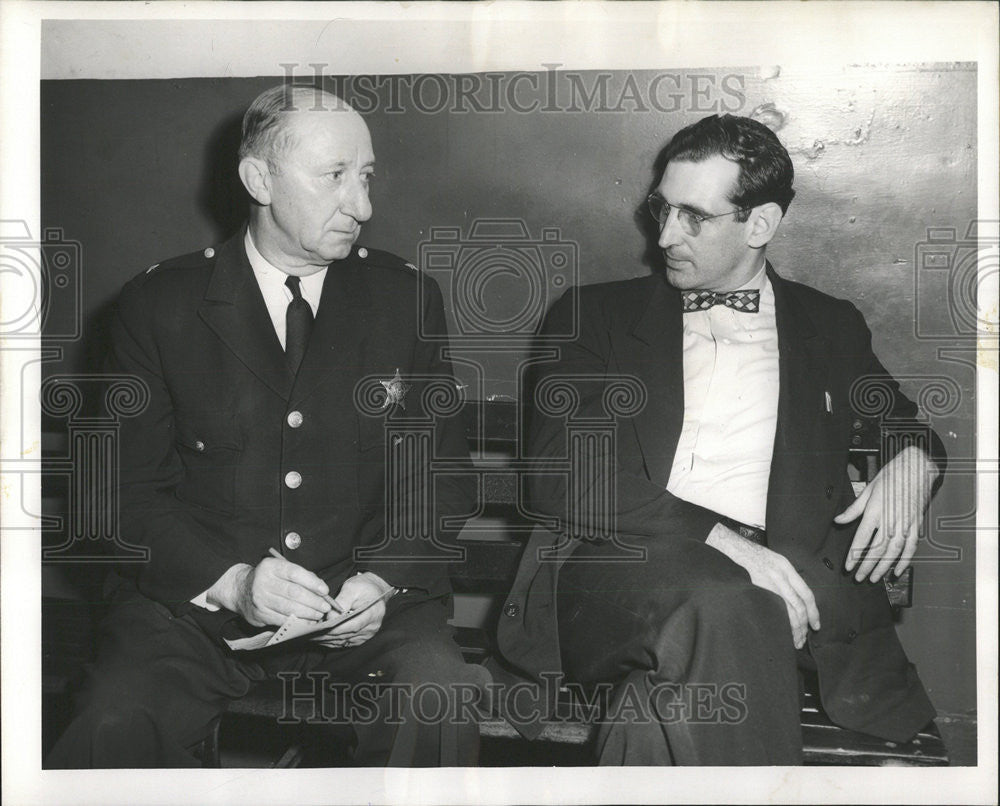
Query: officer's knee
x=428, y=661
x=438, y=675
x=122, y=718
x=118, y=687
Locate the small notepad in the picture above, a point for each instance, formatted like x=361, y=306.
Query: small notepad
x=295, y=627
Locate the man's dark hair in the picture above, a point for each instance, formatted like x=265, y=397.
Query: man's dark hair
x=766, y=172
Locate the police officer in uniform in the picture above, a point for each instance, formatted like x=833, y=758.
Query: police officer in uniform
x=253, y=478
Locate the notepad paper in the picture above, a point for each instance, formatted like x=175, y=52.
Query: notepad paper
x=295, y=627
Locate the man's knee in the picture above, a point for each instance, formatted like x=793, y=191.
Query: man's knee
x=438, y=662
x=134, y=702
x=436, y=683
x=739, y=606
x=116, y=689
x=720, y=631
x=110, y=720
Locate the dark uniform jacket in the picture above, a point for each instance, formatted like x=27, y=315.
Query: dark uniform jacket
x=634, y=328
x=235, y=455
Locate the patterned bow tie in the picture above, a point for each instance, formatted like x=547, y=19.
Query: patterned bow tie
x=746, y=300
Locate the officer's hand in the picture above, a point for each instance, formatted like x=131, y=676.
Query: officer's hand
x=773, y=572
x=274, y=589
x=356, y=593
x=891, y=508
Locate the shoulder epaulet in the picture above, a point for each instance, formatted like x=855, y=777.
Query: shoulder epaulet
x=377, y=257
x=189, y=261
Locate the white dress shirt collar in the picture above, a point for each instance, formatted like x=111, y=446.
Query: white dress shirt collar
x=271, y=281
x=757, y=281
x=267, y=273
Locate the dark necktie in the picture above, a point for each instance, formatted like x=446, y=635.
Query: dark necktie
x=746, y=300
x=298, y=325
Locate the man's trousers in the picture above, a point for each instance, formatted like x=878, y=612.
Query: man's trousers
x=701, y=660
x=160, y=680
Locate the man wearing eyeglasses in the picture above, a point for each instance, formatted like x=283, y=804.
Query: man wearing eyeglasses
x=737, y=551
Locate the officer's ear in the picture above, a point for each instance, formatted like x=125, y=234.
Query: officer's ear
x=764, y=221
x=256, y=179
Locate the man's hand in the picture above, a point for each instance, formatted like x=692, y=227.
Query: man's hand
x=356, y=593
x=892, y=509
x=773, y=572
x=270, y=592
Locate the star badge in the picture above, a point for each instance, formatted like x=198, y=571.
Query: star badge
x=395, y=391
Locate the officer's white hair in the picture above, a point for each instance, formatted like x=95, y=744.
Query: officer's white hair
x=265, y=135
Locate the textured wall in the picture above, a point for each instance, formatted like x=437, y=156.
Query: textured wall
x=142, y=170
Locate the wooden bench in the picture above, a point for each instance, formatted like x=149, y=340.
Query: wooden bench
x=488, y=569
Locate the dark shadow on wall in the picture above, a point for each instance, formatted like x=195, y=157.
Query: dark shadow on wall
x=222, y=198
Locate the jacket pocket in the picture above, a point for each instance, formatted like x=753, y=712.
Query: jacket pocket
x=210, y=448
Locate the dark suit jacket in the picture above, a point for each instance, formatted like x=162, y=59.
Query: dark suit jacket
x=203, y=467
x=634, y=328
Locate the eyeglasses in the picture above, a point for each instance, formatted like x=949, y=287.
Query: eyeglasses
x=690, y=221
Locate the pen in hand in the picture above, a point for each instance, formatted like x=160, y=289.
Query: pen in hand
x=327, y=598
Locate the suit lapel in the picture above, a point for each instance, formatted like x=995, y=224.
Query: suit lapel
x=234, y=309
x=800, y=434
x=802, y=415
x=337, y=342
x=658, y=342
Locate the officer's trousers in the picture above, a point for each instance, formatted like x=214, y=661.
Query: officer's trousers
x=159, y=681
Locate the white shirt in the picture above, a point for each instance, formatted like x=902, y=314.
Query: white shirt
x=723, y=457
x=277, y=295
